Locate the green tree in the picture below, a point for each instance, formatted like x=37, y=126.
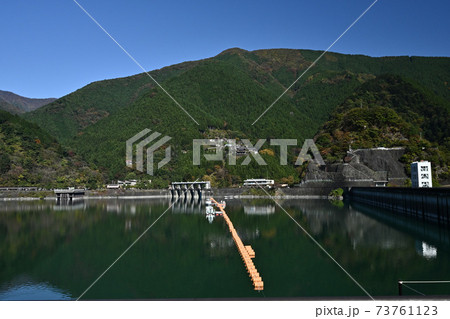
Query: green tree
x=5, y=163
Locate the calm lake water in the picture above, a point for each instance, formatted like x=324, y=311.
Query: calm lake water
x=55, y=252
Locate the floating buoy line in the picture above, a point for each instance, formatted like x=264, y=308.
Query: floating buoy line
x=247, y=253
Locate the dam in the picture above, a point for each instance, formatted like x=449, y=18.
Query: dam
x=427, y=204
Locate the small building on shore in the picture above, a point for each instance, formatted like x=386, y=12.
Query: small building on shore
x=256, y=182
x=123, y=184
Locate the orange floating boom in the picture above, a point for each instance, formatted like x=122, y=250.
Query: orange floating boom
x=246, y=252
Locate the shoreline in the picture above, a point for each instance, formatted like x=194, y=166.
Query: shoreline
x=7, y=199
x=125, y=194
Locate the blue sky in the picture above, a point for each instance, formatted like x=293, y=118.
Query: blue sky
x=50, y=48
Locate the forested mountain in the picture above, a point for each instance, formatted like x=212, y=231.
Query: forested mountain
x=5, y=106
x=29, y=156
x=237, y=86
x=227, y=93
x=17, y=104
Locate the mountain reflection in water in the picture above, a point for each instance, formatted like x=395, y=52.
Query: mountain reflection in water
x=50, y=251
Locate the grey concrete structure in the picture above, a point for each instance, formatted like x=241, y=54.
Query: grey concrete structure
x=428, y=204
x=190, y=189
x=69, y=193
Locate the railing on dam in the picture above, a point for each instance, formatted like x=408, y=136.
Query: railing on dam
x=429, y=204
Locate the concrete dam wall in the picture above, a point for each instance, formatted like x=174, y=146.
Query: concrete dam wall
x=428, y=204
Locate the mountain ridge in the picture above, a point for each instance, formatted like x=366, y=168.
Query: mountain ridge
x=263, y=63
x=17, y=104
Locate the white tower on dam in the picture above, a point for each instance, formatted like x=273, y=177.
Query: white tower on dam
x=421, y=174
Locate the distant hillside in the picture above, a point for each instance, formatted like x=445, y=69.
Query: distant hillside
x=225, y=94
x=17, y=104
x=5, y=106
x=31, y=157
